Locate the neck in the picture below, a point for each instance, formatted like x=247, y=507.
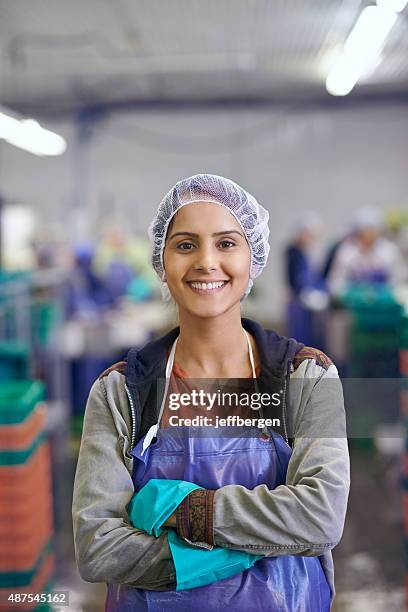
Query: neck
x=213, y=347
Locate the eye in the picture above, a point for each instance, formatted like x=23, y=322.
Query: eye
x=185, y=246
x=226, y=244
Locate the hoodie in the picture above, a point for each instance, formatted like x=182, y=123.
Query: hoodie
x=303, y=517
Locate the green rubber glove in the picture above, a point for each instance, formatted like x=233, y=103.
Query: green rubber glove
x=156, y=501
x=152, y=506
x=198, y=566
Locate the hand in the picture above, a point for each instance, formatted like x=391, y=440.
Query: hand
x=171, y=521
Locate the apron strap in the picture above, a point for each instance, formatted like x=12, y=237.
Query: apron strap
x=251, y=355
x=169, y=367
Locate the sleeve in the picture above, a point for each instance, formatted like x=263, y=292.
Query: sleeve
x=107, y=547
x=305, y=516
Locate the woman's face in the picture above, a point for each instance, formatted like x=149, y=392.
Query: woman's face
x=206, y=245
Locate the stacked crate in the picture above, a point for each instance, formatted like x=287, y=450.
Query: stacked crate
x=26, y=555
x=373, y=353
x=374, y=334
x=14, y=359
x=45, y=318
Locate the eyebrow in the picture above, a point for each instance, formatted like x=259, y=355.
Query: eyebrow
x=213, y=235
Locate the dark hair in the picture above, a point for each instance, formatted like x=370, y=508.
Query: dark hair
x=171, y=225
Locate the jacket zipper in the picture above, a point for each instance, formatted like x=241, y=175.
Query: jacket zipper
x=133, y=415
x=285, y=431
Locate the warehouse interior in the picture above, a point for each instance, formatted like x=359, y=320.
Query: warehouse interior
x=103, y=107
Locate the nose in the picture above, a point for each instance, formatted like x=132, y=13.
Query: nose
x=206, y=259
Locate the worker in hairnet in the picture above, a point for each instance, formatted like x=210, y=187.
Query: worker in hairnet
x=366, y=256
x=308, y=296
x=182, y=517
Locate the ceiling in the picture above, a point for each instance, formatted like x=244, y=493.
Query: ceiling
x=58, y=56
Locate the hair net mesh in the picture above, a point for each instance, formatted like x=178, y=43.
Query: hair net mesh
x=251, y=216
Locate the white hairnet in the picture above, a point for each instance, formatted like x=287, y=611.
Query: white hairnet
x=367, y=217
x=308, y=220
x=251, y=216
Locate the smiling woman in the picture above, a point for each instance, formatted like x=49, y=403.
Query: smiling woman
x=232, y=508
x=245, y=218
x=201, y=261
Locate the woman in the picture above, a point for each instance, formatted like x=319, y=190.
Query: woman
x=277, y=494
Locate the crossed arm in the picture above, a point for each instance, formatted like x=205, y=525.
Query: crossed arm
x=303, y=517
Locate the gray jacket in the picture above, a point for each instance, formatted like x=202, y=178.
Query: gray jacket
x=303, y=517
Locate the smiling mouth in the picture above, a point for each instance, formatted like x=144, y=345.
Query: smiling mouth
x=207, y=288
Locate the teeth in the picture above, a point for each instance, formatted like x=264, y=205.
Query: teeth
x=206, y=286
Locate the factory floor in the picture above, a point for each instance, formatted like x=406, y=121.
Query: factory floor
x=369, y=561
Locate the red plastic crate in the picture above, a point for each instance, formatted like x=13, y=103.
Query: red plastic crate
x=38, y=585
x=22, y=435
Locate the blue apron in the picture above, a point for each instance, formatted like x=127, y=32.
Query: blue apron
x=273, y=584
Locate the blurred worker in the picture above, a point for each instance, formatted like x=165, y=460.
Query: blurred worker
x=308, y=295
x=44, y=255
x=366, y=256
x=122, y=261
x=86, y=293
x=331, y=256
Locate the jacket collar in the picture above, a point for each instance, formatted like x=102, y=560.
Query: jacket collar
x=275, y=351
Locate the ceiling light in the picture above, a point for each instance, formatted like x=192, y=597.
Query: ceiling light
x=393, y=5
x=362, y=49
x=29, y=135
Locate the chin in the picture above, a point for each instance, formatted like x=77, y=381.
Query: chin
x=209, y=311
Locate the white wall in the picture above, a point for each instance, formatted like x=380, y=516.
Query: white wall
x=331, y=161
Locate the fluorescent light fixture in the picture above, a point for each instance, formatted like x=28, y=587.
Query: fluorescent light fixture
x=29, y=135
x=362, y=48
x=393, y=5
